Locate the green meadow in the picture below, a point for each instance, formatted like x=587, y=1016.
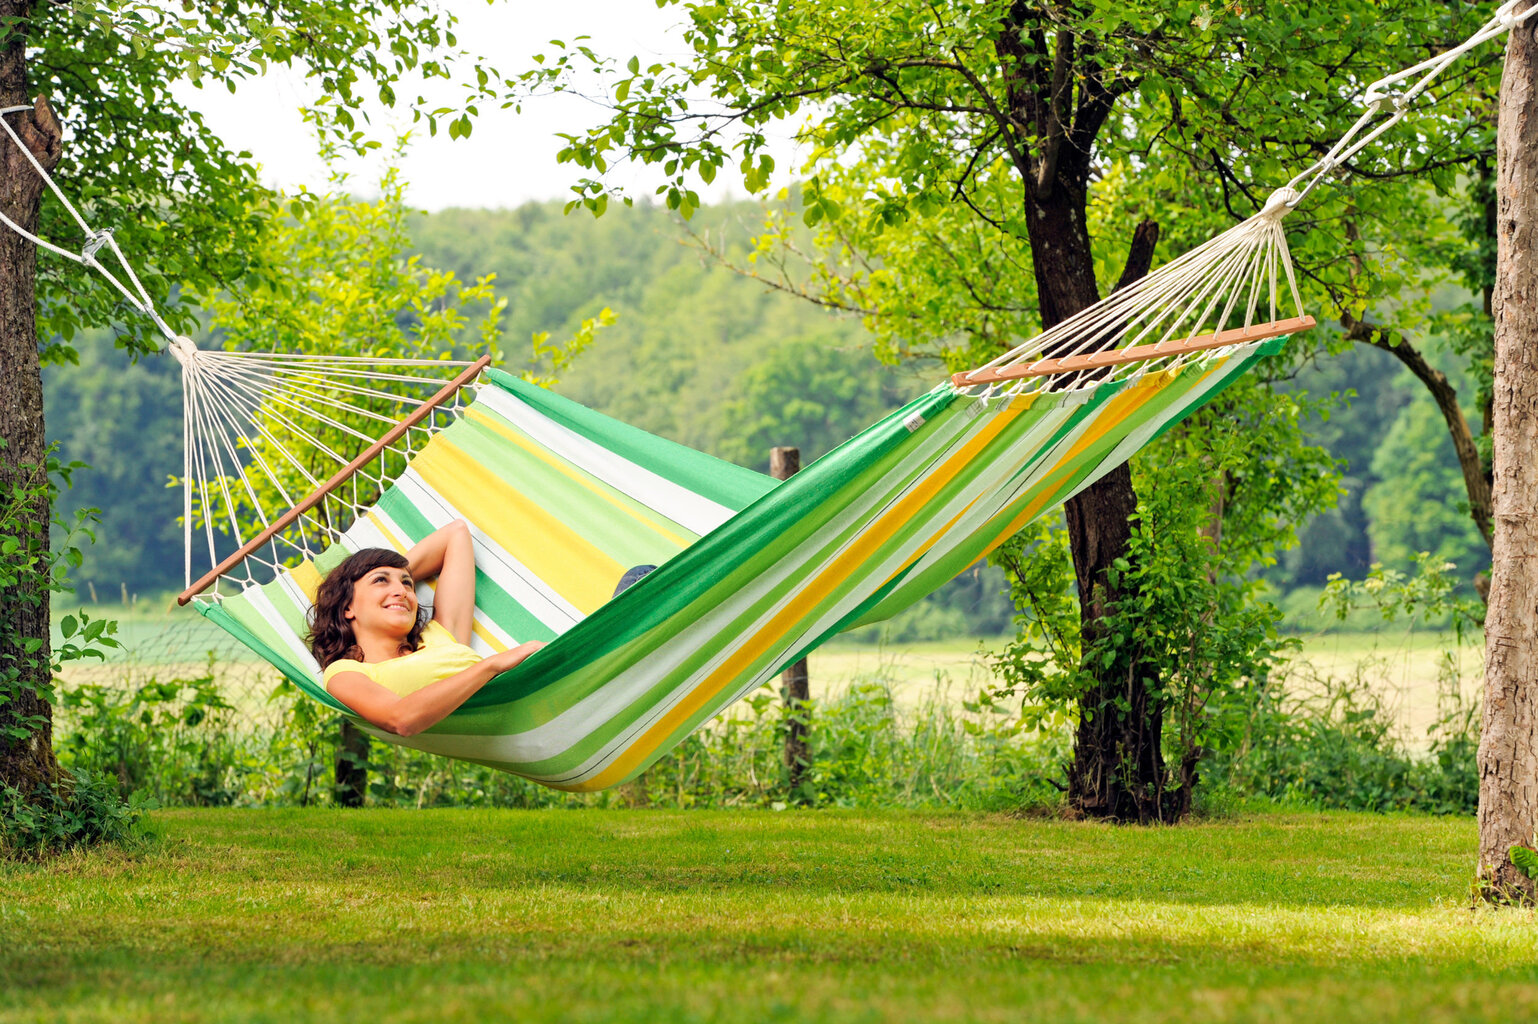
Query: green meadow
x=455, y=915
x=1405, y=666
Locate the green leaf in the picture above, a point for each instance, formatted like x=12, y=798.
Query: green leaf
x=1525, y=860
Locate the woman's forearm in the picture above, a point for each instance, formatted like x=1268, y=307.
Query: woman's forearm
x=433, y=703
x=426, y=557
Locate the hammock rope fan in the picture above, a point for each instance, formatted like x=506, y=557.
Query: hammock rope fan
x=753, y=573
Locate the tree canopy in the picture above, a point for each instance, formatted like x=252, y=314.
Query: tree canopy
x=140, y=160
x=978, y=171
x=930, y=130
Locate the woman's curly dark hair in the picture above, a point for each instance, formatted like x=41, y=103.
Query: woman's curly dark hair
x=331, y=637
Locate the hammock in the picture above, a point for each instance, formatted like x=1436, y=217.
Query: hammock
x=753, y=573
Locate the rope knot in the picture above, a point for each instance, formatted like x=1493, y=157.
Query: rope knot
x=184, y=350
x=1280, y=203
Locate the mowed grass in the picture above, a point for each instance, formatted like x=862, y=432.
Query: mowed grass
x=753, y=916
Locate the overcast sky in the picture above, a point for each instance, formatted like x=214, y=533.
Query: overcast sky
x=509, y=158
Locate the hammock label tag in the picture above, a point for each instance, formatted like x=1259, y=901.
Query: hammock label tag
x=913, y=422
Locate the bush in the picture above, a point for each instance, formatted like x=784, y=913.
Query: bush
x=172, y=741
x=178, y=742
x=1332, y=743
x=80, y=809
x=866, y=751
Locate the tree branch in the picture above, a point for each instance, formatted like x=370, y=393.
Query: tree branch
x=1140, y=256
x=1475, y=482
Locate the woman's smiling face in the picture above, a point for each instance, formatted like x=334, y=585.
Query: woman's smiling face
x=384, y=600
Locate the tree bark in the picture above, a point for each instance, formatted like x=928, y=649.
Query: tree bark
x=26, y=763
x=1118, y=768
x=1508, y=748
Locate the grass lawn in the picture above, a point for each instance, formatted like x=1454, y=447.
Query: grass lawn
x=755, y=916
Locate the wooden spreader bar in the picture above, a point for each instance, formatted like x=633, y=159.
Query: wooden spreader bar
x=342, y=475
x=1135, y=354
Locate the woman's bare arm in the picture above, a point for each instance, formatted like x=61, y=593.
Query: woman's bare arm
x=448, y=553
x=409, y=715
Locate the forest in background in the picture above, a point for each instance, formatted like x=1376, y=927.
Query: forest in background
x=729, y=366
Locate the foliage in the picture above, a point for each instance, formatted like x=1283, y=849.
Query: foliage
x=865, y=752
x=1420, y=503
x=1525, y=860
x=1367, y=392
x=1429, y=593
x=1333, y=744
x=117, y=413
x=1217, y=496
x=79, y=811
x=807, y=393
x=171, y=741
x=187, y=210
x=30, y=573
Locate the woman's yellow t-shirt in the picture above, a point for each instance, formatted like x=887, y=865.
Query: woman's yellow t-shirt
x=439, y=657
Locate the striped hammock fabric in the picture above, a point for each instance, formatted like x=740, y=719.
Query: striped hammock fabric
x=754, y=573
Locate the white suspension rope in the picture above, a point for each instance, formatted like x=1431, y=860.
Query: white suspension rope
x=1179, y=303
x=1380, y=96
x=138, y=298
x=271, y=423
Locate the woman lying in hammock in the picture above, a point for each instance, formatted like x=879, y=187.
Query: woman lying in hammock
x=381, y=659
x=378, y=655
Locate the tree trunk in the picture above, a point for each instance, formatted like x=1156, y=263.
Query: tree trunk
x=1508, y=748
x=28, y=762
x=351, y=769
x=1118, y=756
x=1118, y=768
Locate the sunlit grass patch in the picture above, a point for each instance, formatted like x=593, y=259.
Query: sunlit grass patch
x=449, y=915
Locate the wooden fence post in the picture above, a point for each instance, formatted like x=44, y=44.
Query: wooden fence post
x=796, y=690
